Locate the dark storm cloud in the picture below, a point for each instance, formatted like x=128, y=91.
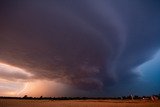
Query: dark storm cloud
x=88, y=44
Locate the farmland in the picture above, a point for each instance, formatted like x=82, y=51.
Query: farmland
x=77, y=103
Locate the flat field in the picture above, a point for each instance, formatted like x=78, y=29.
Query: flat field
x=77, y=103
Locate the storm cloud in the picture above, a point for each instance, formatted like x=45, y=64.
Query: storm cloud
x=88, y=44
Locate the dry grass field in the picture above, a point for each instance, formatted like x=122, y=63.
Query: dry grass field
x=77, y=103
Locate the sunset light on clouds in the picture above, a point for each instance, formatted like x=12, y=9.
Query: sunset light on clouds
x=12, y=79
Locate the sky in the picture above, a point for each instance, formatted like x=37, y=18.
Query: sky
x=79, y=47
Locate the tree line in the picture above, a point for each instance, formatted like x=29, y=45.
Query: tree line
x=129, y=97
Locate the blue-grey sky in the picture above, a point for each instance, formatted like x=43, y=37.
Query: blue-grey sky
x=79, y=48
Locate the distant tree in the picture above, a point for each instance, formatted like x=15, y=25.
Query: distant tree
x=41, y=97
x=131, y=96
x=124, y=97
x=128, y=97
x=136, y=97
x=25, y=96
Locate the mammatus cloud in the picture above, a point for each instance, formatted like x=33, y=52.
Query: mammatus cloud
x=87, y=44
